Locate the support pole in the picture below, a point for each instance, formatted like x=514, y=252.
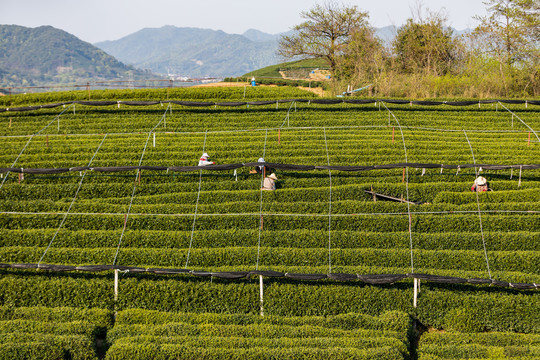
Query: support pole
x=154, y=139
x=415, y=297
x=9, y=122
x=115, y=285
x=529, y=140
x=279, y=136
x=261, y=293
x=393, y=130
x=403, y=180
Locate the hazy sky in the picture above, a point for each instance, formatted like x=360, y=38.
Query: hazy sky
x=99, y=20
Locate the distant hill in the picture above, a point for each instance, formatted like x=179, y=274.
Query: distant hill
x=194, y=52
x=256, y=35
x=46, y=55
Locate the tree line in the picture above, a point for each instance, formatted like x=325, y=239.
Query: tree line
x=499, y=57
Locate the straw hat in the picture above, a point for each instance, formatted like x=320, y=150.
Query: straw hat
x=273, y=176
x=480, y=181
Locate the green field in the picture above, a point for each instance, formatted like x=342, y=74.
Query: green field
x=318, y=221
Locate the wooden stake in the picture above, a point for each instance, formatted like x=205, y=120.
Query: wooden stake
x=262, y=221
x=20, y=177
x=279, y=136
x=47, y=140
x=403, y=180
x=139, y=176
x=529, y=140
x=9, y=122
x=393, y=130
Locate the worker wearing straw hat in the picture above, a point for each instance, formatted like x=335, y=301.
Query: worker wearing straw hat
x=480, y=184
x=204, y=160
x=270, y=182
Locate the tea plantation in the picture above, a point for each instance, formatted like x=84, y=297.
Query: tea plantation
x=202, y=232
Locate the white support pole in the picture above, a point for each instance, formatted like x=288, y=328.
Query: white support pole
x=261, y=293
x=115, y=285
x=415, y=297
x=154, y=139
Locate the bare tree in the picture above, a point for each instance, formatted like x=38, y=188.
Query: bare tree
x=325, y=33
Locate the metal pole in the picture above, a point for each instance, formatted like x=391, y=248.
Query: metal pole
x=415, y=292
x=154, y=139
x=261, y=292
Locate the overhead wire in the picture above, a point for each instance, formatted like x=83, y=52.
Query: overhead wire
x=329, y=206
x=196, y=208
x=28, y=142
x=261, y=205
x=478, y=203
x=135, y=185
x=72, y=202
x=406, y=186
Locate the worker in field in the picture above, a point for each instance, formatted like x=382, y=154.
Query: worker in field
x=203, y=161
x=260, y=169
x=270, y=182
x=480, y=184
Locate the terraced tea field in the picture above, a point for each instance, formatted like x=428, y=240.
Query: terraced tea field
x=203, y=231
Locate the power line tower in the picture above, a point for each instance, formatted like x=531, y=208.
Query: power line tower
x=131, y=81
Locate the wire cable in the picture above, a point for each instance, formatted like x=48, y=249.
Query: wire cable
x=28, y=142
x=329, y=207
x=478, y=203
x=261, y=206
x=523, y=122
x=135, y=186
x=406, y=187
x=72, y=202
x=196, y=209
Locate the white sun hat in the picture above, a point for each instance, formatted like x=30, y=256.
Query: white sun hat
x=480, y=181
x=273, y=176
x=205, y=155
x=260, y=160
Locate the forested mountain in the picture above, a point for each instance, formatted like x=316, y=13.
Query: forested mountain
x=46, y=55
x=194, y=52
